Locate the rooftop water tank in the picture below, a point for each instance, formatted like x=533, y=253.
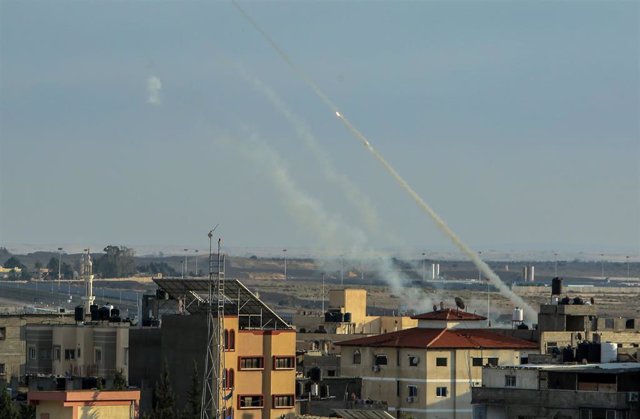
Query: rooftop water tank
x=556, y=286
x=518, y=315
x=608, y=352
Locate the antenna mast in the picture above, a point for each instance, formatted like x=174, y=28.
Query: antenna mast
x=212, y=404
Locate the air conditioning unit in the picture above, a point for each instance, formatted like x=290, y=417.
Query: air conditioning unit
x=411, y=399
x=633, y=396
x=375, y=368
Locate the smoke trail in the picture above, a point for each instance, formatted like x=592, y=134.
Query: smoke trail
x=154, y=86
x=473, y=256
x=329, y=229
x=350, y=191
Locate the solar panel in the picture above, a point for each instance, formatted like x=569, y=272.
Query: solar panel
x=239, y=301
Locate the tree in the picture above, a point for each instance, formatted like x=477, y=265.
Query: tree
x=154, y=268
x=192, y=408
x=27, y=411
x=13, y=262
x=7, y=409
x=117, y=262
x=164, y=398
x=119, y=381
x=38, y=265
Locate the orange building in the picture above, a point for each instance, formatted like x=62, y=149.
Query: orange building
x=85, y=404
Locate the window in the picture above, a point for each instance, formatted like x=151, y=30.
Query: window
x=69, y=354
x=56, y=353
x=630, y=324
x=79, y=354
x=284, y=363
x=228, y=378
x=357, y=357
x=441, y=391
x=251, y=363
x=509, y=380
x=98, y=355
x=2, y=370
x=283, y=401
x=331, y=373
x=380, y=360
x=3, y=333
x=413, y=391
x=492, y=361
x=413, y=361
x=441, y=362
x=477, y=362
x=250, y=402
x=32, y=352
x=229, y=340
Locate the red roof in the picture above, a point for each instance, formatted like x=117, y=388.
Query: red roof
x=419, y=337
x=448, y=314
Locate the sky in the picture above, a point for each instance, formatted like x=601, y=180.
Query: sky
x=147, y=123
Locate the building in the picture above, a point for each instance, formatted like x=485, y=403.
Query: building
x=84, y=404
x=347, y=314
x=428, y=371
x=593, y=391
x=259, y=364
x=13, y=344
x=567, y=322
x=98, y=348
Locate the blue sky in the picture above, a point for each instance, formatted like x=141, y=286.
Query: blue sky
x=517, y=121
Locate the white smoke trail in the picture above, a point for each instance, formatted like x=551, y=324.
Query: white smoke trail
x=473, y=256
x=329, y=229
x=154, y=87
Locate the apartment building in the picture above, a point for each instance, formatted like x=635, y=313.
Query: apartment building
x=592, y=391
x=427, y=372
x=259, y=364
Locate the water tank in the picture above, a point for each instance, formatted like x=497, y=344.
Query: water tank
x=518, y=315
x=93, y=309
x=568, y=354
x=556, y=286
x=315, y=389
x=347, y=317
x=594, y=353
x=578, y=301
x=79, y=313
x=115, y=312
x=608, y=352
x=565, y=301
x=103, y=313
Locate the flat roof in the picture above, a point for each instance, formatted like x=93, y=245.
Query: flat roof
x=608, y=367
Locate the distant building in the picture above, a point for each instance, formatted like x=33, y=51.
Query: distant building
x=347, y=314
x=594, y=391
x=428, y=371
x=85, y=404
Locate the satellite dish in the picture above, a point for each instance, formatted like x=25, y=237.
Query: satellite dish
x=460, y=303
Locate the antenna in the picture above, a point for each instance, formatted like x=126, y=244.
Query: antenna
x=212, y=384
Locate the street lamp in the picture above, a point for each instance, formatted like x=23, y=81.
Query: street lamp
x=186, y=266
x=602, y=263
x=628, y=268
x=59, y=265
x=424, y=263
x=284, y=252
x=555, y=264
x=196, y=262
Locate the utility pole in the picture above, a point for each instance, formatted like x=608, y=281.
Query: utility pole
x=424, y=263
x=628, y=268
x=555, y=264
x=284, y=252
x=602, y=263
x=323, y=292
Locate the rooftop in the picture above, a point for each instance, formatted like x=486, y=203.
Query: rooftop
x=442, y=338
x=239, y=301
x=449, y=315
x=605, y=368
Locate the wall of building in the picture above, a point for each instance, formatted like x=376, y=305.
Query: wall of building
x=391, y=382
x=111, y=412
x=525, y=378
x=54, y=409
